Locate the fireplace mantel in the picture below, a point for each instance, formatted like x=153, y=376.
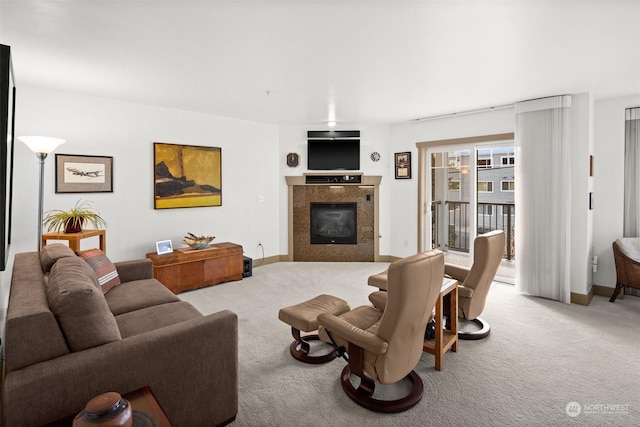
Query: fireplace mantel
x=301, y=180
x=366, y=190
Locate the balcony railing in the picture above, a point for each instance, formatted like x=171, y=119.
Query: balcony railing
x=491, y=216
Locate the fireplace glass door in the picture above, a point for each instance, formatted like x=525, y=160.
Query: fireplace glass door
x=334, y=223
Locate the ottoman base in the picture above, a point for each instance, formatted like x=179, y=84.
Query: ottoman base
x=304, y=317
x=300, y=349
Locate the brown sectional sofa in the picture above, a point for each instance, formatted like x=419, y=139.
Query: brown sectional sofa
x=66, y=342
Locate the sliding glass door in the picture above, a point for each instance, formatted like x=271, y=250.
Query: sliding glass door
x=469, y=190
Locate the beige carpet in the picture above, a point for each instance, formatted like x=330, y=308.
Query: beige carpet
x=541, y=357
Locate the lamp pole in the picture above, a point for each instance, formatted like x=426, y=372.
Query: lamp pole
x=41, y=157
x=41, y=145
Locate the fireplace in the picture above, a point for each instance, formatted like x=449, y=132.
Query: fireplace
x=334, y=223
x=363, y=196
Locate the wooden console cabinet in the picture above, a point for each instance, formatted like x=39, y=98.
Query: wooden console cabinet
x=186, y=269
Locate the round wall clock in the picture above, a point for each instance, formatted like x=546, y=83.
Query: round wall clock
x=375, y=156
x=292, y=160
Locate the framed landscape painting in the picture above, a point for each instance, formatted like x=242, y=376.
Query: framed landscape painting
x=187, y=176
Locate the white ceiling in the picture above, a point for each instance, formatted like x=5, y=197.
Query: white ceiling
x=297, y=62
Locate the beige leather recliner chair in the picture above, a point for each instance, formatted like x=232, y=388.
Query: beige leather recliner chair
x=385, y=346
x=474, y=282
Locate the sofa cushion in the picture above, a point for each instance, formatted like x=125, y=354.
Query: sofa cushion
x=105, y=270
x=156, y=317
x=79, y=305
x=138, y=294
x=32, y=333
x=49, y=254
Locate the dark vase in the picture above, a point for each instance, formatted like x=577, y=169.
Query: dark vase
x=73, y=225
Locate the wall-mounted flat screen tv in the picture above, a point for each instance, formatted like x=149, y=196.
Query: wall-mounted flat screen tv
x=333, y=150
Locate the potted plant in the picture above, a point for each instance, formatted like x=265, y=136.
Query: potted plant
x=73, y=220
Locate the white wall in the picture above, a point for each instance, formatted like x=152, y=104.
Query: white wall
x=608, y=183
x=404, y=193
x=293, y=139
x=127, y=131
x=581, y=233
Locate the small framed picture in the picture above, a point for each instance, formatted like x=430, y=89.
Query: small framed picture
x=84, y=174
x=403, y=165
x=164, y=247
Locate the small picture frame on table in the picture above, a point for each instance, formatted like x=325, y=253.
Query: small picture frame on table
x=164, y=247
x=403, y=165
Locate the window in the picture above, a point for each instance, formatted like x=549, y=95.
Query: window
x=484, y=163
x=454, y=185
x=507, y=185
x=485, y=186
x=507, y=160
x=485, y=209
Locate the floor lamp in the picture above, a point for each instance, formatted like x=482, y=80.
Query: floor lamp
x=41, y=145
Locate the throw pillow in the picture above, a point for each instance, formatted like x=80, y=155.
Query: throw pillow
x=105, y=270
x=79, y=306
x=49, y=254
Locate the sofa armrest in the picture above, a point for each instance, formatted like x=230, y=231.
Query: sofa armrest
x=138, y=269
x=191, y=367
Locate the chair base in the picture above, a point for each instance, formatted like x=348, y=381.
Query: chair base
x=483, y=332
x=362, y=395
x=299, y=349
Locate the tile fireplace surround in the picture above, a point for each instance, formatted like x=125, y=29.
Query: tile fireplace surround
x=301, y=195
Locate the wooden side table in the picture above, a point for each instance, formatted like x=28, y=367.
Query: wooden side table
x=74, y=238
x=445, y=338
x=140, y=400
x=144, y=400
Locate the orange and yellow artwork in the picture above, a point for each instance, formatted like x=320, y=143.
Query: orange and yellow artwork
x=187, y=176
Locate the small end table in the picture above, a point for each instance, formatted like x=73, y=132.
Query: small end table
x=445, y=338
x=74, y=238
x=141, y=399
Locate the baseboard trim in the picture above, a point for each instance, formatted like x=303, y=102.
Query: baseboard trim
x=582, y=299
x=285, y=258
x=268, y=260
x=603, y=291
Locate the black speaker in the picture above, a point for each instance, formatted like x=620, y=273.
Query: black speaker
x=247, y=266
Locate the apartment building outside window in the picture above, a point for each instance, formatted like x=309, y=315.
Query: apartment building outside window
x=484, y=163
x=485, y=186
x=507, y=160
x=507, y=185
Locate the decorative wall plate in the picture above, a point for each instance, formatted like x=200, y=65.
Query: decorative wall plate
x=375, y=156
x=292, y=160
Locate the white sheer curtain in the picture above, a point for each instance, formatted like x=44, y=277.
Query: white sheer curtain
x=632, y=173
x=543, y=197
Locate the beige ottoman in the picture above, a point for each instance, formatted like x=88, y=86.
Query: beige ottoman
x=304, y=317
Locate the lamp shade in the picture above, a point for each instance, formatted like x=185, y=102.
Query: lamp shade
x=41, y=144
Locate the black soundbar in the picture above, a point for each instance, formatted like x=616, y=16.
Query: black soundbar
x=333, y=134
x=333, y=179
